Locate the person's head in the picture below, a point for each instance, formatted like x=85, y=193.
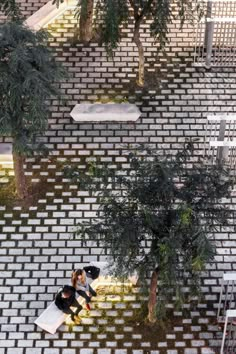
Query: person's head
x=66, y=291
x=78, y=275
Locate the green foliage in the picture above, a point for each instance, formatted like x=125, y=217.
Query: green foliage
x=111, y=15
x=81, y=8
x=162, y=213
x=58, y=2
x=7, y=187
x=11, y=9
x=161, y=17
x=114, y=13
x=28, y=75
x=185, y=216
x=190, y=10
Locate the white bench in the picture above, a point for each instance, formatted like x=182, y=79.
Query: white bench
x=100, y=112
x=52, y=317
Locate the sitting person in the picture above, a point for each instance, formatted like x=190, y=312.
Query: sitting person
x=80, y=283
x=65, y=298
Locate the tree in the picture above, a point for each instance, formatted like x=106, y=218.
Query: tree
x=112, y=14
x=158, y=219
x=28, y=76
x=84, y=12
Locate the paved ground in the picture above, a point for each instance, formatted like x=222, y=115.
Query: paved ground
x=37, y=256
x=114, y=326
x=37, y=251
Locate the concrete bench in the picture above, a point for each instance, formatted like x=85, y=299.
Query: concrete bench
x=99, y=112
x=52, y=317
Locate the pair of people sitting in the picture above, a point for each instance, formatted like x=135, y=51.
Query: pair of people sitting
x=66, y=296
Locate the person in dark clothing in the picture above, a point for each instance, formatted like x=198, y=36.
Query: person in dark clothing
x=65, y=298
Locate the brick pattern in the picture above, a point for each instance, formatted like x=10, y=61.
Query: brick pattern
x=37, y=251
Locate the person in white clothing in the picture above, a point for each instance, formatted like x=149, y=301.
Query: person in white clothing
x=80, y=283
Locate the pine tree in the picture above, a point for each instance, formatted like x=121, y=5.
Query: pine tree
x=158, y=219
x=28, y=76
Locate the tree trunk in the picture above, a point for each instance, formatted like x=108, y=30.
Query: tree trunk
x=86, y=22
x=152, y=297
x=136, y=38
x=20, y=180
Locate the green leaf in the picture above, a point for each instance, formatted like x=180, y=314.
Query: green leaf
x=198, y=264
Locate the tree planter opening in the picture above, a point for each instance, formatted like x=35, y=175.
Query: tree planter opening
x=99, y=112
